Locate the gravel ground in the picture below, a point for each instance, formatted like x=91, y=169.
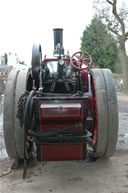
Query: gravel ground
x=102, y=176
x=123, y=122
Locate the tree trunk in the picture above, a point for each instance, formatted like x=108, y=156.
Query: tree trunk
x=124, y=64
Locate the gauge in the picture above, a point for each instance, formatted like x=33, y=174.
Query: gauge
x=61, y=62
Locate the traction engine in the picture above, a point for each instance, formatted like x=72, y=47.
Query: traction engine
x=61, y=108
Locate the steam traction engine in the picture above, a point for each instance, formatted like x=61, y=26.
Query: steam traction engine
x=61, y=106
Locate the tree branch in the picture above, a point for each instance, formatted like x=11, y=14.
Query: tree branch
x=112, y=30
x=114, y=10
x=126, y=35
x=110, y=26
x=109, y=2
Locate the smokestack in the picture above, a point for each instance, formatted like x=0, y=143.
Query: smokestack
x=58, y=41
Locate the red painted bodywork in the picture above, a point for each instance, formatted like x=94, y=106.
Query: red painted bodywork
x=52, y=119
x=95, y=121
x=84, y=78
x=54, y=59
x=92, y=105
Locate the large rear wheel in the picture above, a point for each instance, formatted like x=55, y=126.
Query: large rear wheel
x=9, y=114
x=21, y=87
x=106, y=113
x=13, y=131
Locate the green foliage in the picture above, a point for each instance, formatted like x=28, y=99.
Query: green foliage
x=100, y=44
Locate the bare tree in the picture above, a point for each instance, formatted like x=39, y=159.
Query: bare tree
x=116, y=20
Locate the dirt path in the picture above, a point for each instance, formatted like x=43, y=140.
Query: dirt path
x=102, y=176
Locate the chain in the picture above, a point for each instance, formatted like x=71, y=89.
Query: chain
x=21, y=106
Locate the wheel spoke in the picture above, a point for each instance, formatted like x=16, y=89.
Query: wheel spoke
x=82, y=56
x=85, y=64
x=85, y=59
x=80, y=64
x=77, y=57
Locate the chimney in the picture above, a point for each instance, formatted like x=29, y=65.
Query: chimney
x=58, y=41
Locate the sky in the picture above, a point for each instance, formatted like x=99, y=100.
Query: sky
x=23, y=22
x=26, y=21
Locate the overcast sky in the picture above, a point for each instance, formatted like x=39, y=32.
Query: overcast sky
x=23, y=22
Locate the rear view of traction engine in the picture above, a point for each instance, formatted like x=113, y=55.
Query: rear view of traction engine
x=61, y=108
